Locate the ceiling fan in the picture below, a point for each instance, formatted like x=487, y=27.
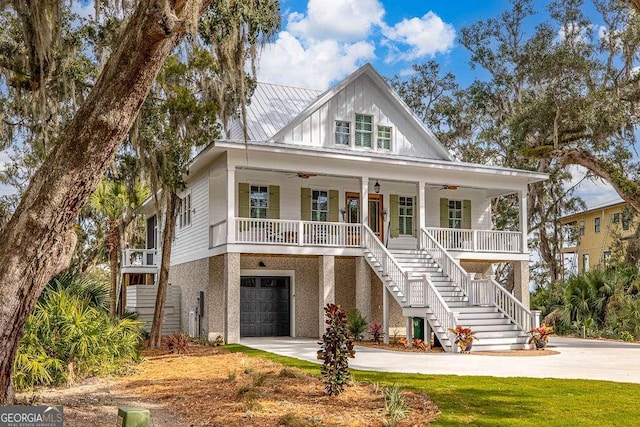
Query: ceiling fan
x=303, y=175
x=446, y=187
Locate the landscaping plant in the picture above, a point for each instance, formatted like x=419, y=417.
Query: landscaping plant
x=70, y=335
x=335, y=350
x=178, y=343
x=357, y=324
x=375, y=329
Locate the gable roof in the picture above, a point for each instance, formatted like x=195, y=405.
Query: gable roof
x=383, y=86
x=271, y=107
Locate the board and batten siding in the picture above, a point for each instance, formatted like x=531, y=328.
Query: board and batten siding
x=480, y=207
x=192, y=242
x=142, y=300
x=361, y=96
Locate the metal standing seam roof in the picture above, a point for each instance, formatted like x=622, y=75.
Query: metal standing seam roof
x=272, y=107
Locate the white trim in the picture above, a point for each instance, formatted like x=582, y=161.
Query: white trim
x=292, y=290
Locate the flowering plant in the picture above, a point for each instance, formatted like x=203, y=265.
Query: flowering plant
x=542, y=333
x=464, y=336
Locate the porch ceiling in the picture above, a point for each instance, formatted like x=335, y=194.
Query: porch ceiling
x=278, y=157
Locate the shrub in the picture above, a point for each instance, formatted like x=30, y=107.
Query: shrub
x=70, y=336
x=335, y=350
x=178, y=343
x=375, y=329
x=356, y=324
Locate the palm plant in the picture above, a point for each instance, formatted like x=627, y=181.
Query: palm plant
x=116, y=205
x=71, y=335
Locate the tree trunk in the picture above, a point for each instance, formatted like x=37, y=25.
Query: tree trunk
x=114, y=246
x=163, y=279
x=38, y=240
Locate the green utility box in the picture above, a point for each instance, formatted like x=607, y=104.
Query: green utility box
x=133, y=417
x=418, y=328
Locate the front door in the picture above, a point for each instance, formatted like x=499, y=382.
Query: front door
x=376, y=212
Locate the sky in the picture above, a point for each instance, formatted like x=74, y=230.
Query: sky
x=323, y=41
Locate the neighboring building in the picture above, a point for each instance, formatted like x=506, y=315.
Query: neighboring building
x=589, y=236
x=343, y=196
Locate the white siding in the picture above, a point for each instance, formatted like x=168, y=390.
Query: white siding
x=192, y=241
x=480, y=206
x=362, y=96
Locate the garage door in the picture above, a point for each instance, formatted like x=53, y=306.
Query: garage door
x=264, y=306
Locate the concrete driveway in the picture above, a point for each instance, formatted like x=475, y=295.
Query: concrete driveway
x=585, y=359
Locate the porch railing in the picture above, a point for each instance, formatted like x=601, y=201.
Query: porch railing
x=449, y=266
x=456, y=239
x=140, y=258
x=293, y=232
x=490, y=292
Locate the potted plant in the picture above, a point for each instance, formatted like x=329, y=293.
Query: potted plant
x=464, y=337
x=540, y=336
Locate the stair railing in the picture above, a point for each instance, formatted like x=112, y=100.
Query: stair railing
x=449, y=266
x=390, y=266
x=493, y=293
x=418, y=291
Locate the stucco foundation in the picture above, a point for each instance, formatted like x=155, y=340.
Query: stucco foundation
x=397, y=326
x=191, y=277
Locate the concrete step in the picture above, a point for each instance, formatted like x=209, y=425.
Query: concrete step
x=480, y=321
x=501, y=327
x=491, y=335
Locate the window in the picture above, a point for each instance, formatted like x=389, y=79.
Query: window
x=606, y=256
x=259, y=196
x=616, y=217
x=384, y=137
x=455, y=213
x=405, y=215
x=184, y=211
x=625, y=222
x=343, y=132
x=581, y=228
x=596, y=224
x=585, y=263
x=364, y=130
x=319, y=205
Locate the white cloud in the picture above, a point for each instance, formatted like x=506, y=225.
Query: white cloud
x=343, y=20
x=333, y=37
x=316, y=65
x=423, y=37
x=594, y=191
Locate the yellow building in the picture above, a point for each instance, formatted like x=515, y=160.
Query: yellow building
x=591, y=236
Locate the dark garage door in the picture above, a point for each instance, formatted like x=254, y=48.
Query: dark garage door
x=264, y=306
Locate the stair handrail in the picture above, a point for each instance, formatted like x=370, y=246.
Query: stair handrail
x=509, y=305
x=449, y=265
x=440, y=309
x=390, y=265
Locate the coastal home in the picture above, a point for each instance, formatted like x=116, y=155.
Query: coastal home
x=344, y=196
x=592, y=235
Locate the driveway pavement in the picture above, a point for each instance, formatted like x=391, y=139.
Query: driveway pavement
x=578, y=358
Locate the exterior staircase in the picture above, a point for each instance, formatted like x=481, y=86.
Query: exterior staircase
x=429, y=284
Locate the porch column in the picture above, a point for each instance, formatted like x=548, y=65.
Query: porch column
x=364, y=200
x=523, y=225
x=232, y=297
x=521, y=281
x=327, y=288
x=231, y=202
x=421, y=191
x=363, y=288
x=385, y=313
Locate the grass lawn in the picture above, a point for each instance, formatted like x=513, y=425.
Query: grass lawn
x=493, y=401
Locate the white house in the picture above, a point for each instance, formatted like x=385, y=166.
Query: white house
x=343, y=196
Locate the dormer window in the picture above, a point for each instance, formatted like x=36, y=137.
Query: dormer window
x=364, y=130
x=384, y=137
x=343, y=133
